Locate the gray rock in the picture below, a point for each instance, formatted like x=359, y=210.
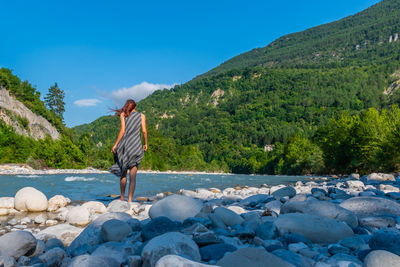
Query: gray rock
x=206, y=238
x=216, y=221
x=378, y=258
x=353, y=243
x=17, y=244
x=315, y=228
x=296, y=247
x=252, y=257
x=321, y=208
x=90, y=261
x=266, y=230
x=394, y=195
x=169, y=243
x=64, y=232
x=54, y=243
x=227, y=216
x=176, y=208
x=293, y=258
x=378, y=177
x=118, y=206
x=159, y=226
x=115, y=230
x=7, y=261
x=91, y=236
x=344, y=260
x=378, y=221
x=134, y=261
x=335, y=249
x=53, y=257
x=135, y=225
x=40, y=248
x=274, y=206
x=357, y=185
x=215, y=251
x=286, y=191
x=78, y=216
x=119, y=252
x=254, y=199
x=371, y=206
x=177, y=261
x=386, y=240
x=23, y=261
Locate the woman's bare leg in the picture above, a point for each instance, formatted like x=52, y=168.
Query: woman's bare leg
x=122, y=183
x=132, y=183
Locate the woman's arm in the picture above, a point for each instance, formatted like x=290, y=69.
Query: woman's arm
x=121, y=131
x=144, y=131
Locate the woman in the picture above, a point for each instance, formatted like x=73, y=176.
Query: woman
x=128, y=151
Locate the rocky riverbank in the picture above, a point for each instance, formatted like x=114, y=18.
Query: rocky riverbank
x=349, y=221
x=23, y=169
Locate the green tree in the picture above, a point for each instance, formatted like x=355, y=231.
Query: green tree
x=55, y=100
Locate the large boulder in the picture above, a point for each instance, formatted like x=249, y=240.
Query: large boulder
x=91, y=261
x=159, y=226
x=91, y=236
x=177, y=261
x=118, y=206
x=315, y=228
x=95, y=206
x=64, y=232
x=6, y=202
x=227, y=216
x=56, y=202
x=176, y=208
x=30, y=199
x=115, y=230
x=321, y=208
x=78, y=216
x=119, y=252
x=252, y=257
x=386, y=240
x=255, y=199
x=53, y=257
x=286, y=191
x=378, y=177
x=378, y=258
x=215, y=251
x=17, y=244
x=169, y=243
x=371, y=206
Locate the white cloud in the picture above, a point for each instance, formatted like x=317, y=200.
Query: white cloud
x=87, y=102
x=136, y=92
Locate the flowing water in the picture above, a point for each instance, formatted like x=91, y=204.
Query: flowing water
x=83, y=187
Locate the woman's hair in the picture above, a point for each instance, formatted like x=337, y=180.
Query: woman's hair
x=130, y=105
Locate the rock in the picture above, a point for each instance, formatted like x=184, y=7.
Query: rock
x=188, y=193
x=237, y=209
x=394, y=195
x=386, y=240
x=17, y=244
x=115, y=230
x=64, y=232
x=272, y=244
x=378, y=221
x=378, y=177
x=7, y=261
x=78, y=216
x=91, y=235
x=354, y=176
x=54, y=243
x=315, y=228
x=134, y=224
x=204, y=194
x=53, y=257
x=227, y=216
x=321, y=208
x=40, y=219
x=176, y=208
x=357, y=185
x=254, y=199
x=286, y=191
x=30, y=199
x=378, y=258
x=22, y=261
x=252, y=257
x=134, y=261
x=40, y=248
x=336, y=249
x=296, y=247
x=159, y=226
x=56, y=202
x=117, y=251
x=4, y=212
x=215, y=251
x=206, y=238
x=90, y=261
x=95, y=206
x=169, y=243
x=118, y=206
x=6, y=202
x=216, y=221
x=266, y=230
x=290, y=238
x=353, y=243
x=177, y=261
x=51, y=222
x=274, y=206
x=387, y=188
x=344, y=260
x=62, y=214
x=371, y=206
x=293, y=258
x=25, y=220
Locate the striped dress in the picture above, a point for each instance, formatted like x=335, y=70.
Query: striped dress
x=129, y=151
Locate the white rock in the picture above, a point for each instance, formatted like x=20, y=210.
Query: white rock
x=378, y=258
x=204, y=194
x=17, y=244
x=237, y=209
x=357, y=185
x=95, y=206
x=227, y=216
x=64, y=232
x=169, y=243
x=4, y=212
x=51, y=222
x=118, y=206
x=78, y=216
x=62, y=214
x=379, y=177
x=177, y=261
x=56, y=202
x=40, y=219
x=25, y=220
x=188, y=193
x=30, y=199
x=6, y=202
x=176, y=208
x=371, y=206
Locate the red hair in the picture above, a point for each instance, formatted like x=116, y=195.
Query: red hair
x=130, y=105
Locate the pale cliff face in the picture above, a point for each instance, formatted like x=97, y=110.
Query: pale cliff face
x=37, y=127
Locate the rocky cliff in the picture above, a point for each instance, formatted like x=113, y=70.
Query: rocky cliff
x=23, y=120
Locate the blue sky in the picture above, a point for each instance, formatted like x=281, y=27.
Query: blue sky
x=99, y=52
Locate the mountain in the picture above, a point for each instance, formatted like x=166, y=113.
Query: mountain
x=371, y=35
x=245, y=115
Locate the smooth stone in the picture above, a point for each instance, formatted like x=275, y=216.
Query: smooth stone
x=394, y=195
x=386, y=240
x=56, y=202
x=353, y=243
x=344, y=260
x=6, y=202
x=40, y=219
x=115, y=230
x=169, y=243
x=178, y=261
x=17, y=244
x=53, y=257
x=188, y=193
x=315, y=228
x=252, y=257
x=159, y=226
x=78, y=216
x=22, y=261
x=234, y=241
x=206, y=238
x=176, y=208
x=95, y=206
x=64, y=232
x=4, y=212
x=204, y=194
x=40, y=248
x=216, y=221
x=371, y=206
x=295, y=247
x=321, y=208
x=7, y=261
x=272, y=244
x=134, y=224
x=90, y=261
x=237, y=209
x=54, y=243
x=118, y=206
x=286, y=191
x=266, y=230
x=378, y=177
x=30, y=199
x=215, y=251
x=335, y=249
x=117, y=251
x=378, y=258
x=290, y=238
x=274, y=206
x=254, y=199
x=227, y=216
x=134, y=261
x=354, y=176
x=378, y=221
x=357, y=185
x=91, y=235
x=293, y=258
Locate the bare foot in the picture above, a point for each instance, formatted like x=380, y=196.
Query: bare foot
x=122, y=198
